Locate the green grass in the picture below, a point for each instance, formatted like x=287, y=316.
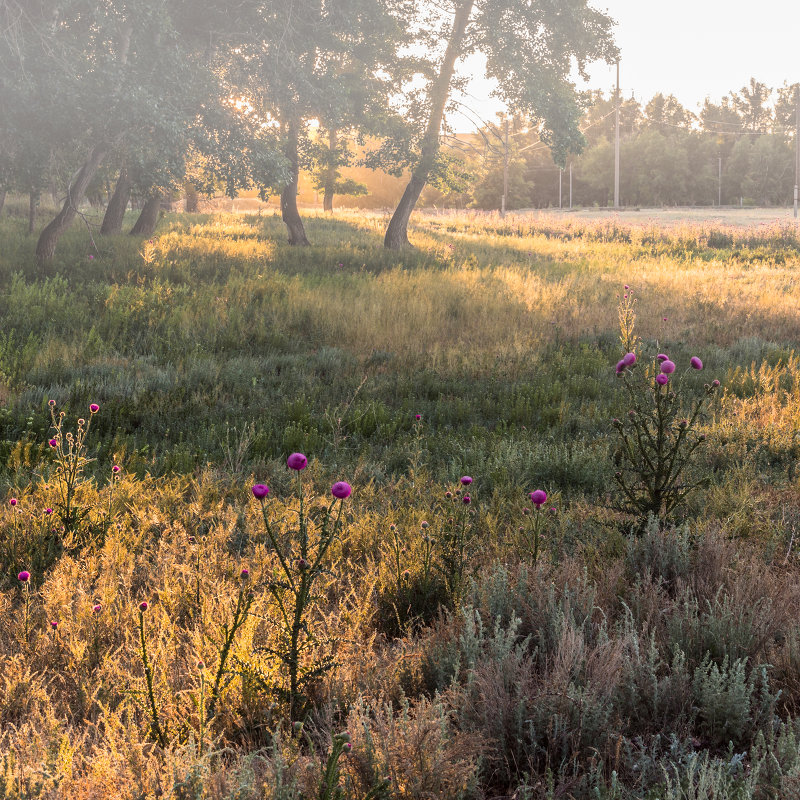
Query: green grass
x=618, y=666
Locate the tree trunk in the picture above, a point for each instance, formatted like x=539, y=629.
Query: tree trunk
x=2, y=199
x=397, y=232
x=48, y=238
x=191, y=198
x=33, y=200
x=289, y=213
x=148, y=219
x=330, y=173
x=117, y=205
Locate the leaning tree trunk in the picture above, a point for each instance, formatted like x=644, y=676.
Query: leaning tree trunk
x=117, y=205
x=2, y=199
x=397, y=232
x=48, y=238
x=289, y=213
x=33, y=200
x=330, y=173
x=148, y=219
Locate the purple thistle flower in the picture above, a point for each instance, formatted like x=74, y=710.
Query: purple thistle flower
x=715, y=383
x=48, y=511
x=53, y=624
x=341, y=490
x=24, y=576
x=260, y=491
x=466, y=499
x=538, y=498
x=620, y=367
x=97, y=608
x=668, y=367
x=245, y=573
x=662, y=357
x=466, y=480
x=626, y=287
x=629, y=359
x=297, y=461
x=13, y=501
x=53, y=443
x=143, y=605
x=116, y=468
x=94, y=408
x=662, y=379
x=91, y=257
x=417, y=417
x=696, y=362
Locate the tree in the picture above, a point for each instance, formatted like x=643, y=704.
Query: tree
x=530, y=49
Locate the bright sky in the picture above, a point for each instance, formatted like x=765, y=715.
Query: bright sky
x=690, y=48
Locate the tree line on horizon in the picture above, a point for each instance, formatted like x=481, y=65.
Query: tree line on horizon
x=154, y=97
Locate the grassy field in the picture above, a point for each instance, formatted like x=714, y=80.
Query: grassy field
x=628, y=658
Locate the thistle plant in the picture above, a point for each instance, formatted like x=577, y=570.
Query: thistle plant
x=157, y=731
x=244, y=601
x=24, y=578
x=70, y=458
x=658, y=436
x=457, y=539
x=301, y=563
x=533, y=532
x=627, y=321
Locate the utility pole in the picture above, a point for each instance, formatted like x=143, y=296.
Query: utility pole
x=560, y=181
x=719, y=182
x=616, y=143
x=570, y=186
x=796, y=148
x=505, y=173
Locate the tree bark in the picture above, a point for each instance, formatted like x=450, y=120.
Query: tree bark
x=397, y=232
x=330, y=174
x=33, y=199
x=48, y=238
x=148, y=219
x=117, y=205
x=289, y=213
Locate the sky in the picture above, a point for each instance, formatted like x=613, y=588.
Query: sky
x=690, y=48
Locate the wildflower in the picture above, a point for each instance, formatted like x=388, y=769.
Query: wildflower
x=244, y=574
x=668, y=367
x=48, y=511
x=406, y=573
x=13, y=501
x=466, y=499
x=662, y=379
x=301, y=564
x=538, y=498
x=418, y=417
x=466, y=480
x=393, y=527
x=620, y=367
x=53, y=624
x=201, y=665
x=260, y=491
x=24, y=576
x=53, y=443
x=348, y=747
x=424, y=524
x=715, y=383
x=94, y=408
x=143, y=605
x=665, y=319
x=629, y=359
x=626, y=287
x=116, y=469
x=91, y=257
x=297, y=461
x=448, y=495
x=662, y=357
x=341, y=490
x=696, y=362
x=51, y=403
x=97, y=608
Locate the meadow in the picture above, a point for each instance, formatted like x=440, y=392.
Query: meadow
x=183, y=634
